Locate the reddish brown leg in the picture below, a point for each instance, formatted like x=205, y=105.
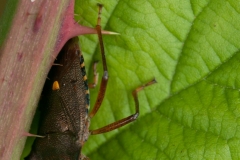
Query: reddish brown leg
x=128, y=119
x=105, y=73
x=95, y=76
x=103, y=87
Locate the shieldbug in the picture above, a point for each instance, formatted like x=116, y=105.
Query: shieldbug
x=65, y=123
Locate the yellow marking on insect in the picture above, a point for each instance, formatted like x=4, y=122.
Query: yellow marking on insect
x=55, y=86
x=87, y=91
x=85, y=78
x=87, y=106
x=82, y=65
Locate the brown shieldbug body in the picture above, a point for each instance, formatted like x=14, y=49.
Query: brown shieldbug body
x=65, y=122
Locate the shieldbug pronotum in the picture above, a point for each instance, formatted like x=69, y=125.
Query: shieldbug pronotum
x=65, y=123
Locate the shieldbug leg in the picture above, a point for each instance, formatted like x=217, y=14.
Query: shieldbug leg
x=128, y=119
x=103, y=87
x=95, y=76
x=104, y=81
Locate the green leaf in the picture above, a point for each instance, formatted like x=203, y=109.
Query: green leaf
x=7, y=10
x=192, y=49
